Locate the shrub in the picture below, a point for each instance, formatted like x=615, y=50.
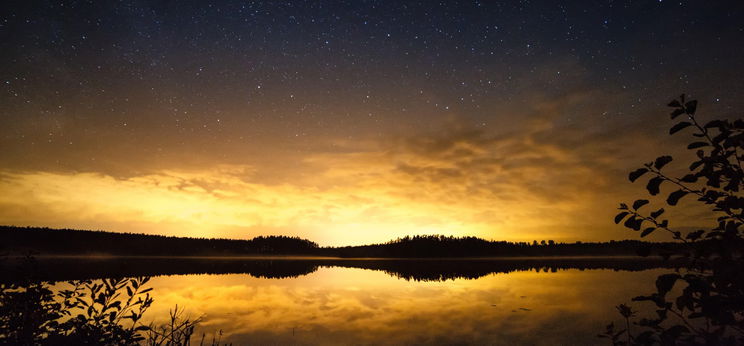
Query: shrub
x=710, y=308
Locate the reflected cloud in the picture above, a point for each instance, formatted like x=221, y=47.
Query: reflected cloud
x=342, y=306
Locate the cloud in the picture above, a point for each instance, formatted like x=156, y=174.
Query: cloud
x=541, y=176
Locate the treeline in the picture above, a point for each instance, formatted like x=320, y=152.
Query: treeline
x=46, y=241
x=22, y=240
x=447, y=246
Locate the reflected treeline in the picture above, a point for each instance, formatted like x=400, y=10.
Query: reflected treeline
x=20, y=240
x=84, y=268
x=444, y=269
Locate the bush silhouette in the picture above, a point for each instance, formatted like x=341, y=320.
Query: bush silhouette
x=85, y=312
x=710, y=308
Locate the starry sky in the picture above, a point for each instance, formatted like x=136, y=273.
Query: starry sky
x=349, y=122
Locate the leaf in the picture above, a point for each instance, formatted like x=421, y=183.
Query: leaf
x=639, y=203
x=678, y=127
x=695, y=165
x=620, y=217
x=661, y=161
x=633, y=223
x=647, y=231
x=657, y=213
x=691, y=107
x=634, y=175
x=665, y=282
x=674, y=103
x=695, y=145
x=677, y=112
x=676, y=331
x=675, y=196
x=690, y=178
x=695, y=235
x=715, y=123
x=653, y=185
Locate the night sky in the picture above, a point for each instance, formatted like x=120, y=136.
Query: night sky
x=350, y=122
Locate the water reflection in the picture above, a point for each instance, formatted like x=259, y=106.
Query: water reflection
x=74, y=268
x=540, y=301
x=355, y=306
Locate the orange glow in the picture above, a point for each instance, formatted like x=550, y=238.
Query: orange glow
x=363, y=306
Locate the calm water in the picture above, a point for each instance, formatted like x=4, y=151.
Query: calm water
x=530, y=301
x=337, y=305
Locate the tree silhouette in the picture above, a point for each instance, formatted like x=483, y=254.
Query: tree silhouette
x=710, y=306
x=44, y=241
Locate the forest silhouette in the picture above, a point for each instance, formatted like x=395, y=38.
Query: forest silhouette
x=65, y=254
x=46, y=241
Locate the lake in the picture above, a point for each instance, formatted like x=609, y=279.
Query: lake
x=357, y=306
x=329, y=301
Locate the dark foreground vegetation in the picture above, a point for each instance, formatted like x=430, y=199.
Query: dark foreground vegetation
x=701, y=303
x=86, y=312
x=45, y=241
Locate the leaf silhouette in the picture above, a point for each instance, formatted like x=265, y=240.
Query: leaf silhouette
x=695, y=235
x=657, y=213
x=677, y=112
x=675, y=196
x=678, y=127
x=647, y=231
x=691, y=107
x=639, y=203
x=697, y=145
x=633, y=223
x=715, y=123
x=620, y=217
x=653, y=185
x=634, y=175
x=661, y=161
x=665, y=282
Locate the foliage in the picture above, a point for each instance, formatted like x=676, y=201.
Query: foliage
x=177, y=332
x=85, y=312
x=710, y=306
x=88, y=313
